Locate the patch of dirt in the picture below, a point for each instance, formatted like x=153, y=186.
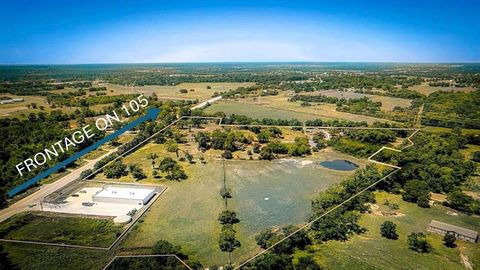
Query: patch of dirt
x=465, y=261
x=375, y=209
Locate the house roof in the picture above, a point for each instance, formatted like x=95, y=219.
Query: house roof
x=453, y=228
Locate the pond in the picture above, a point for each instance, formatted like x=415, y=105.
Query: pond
x=339, y=165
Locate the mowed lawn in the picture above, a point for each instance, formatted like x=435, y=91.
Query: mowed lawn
x=199, y=92
x=370, y=251
x=60, y=229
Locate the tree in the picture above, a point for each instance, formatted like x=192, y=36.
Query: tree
x=388, y=230
x=163, y=247
x=307, y=263
x=459, y=201
x=476, y=156
x=3, y=199
x=418, y=242
x=264, y=238
x=86, y=173
x=227, y=240
x=171, y=147
x=173, y=170
x=136, y=171
x=416, y=191
x=153, y=157
x=449, y=240
x=116, y=170
x=228, y=217
x=227, y=154
x=5, y=262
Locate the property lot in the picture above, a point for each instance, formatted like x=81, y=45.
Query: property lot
x=199, y=92
x=264, y=194
x=280, y=108
x=42, y=227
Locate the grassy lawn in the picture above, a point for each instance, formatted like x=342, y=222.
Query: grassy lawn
x=59, y=229
x=370, y=251
x=44, y=257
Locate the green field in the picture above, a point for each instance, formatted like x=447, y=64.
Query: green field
x=59, y=229
x=277, y=108
x=31, y=257
x=370, y=251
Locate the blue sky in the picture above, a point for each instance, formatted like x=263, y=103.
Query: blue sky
x=75, y=32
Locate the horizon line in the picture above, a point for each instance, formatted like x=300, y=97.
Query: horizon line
x=238, y=62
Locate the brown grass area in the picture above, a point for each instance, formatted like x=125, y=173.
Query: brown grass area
x=427, y=90
x=281, y=103
x=172, y=92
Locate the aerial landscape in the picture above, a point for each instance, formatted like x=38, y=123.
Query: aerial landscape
x=240, y=135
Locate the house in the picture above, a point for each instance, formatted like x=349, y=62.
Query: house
x=459, y=232
x=18, y=100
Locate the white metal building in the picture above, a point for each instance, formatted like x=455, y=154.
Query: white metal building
x=124, y=195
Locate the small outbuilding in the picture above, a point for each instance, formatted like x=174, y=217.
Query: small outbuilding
x=459, y=232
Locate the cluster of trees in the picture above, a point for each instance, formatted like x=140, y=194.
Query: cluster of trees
x=460, y=201
x=37, y=87
x=21, y=139
x=372, y=136
x=341, y=80
x=343, y=222
x=433, y=164
x=299, y=147
x=227, y=240
x=118, y=169
x=452, y=109
x=230, y=140
x=162, y=247
x=174, y=172
x=282, y=244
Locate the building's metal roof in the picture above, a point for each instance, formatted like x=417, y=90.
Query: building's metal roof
x=453, y=228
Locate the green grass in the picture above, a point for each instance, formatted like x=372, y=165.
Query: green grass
x=59, y=229
x=370, y=251
x=186, y=214
x=29, y=257
x=279, y=108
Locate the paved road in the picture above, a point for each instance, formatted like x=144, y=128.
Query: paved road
x=203, y=104
x=44, y=190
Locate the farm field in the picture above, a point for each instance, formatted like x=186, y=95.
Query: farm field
x=427, y=90
x=388, y=103
x=172, y=92
x=10, y=110
x=66, y=230
x=370, y=251
x=279, y=107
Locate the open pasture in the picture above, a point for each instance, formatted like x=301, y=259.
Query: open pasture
x=199, y=92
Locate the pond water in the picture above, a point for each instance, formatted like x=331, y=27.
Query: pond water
x=339, y=165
